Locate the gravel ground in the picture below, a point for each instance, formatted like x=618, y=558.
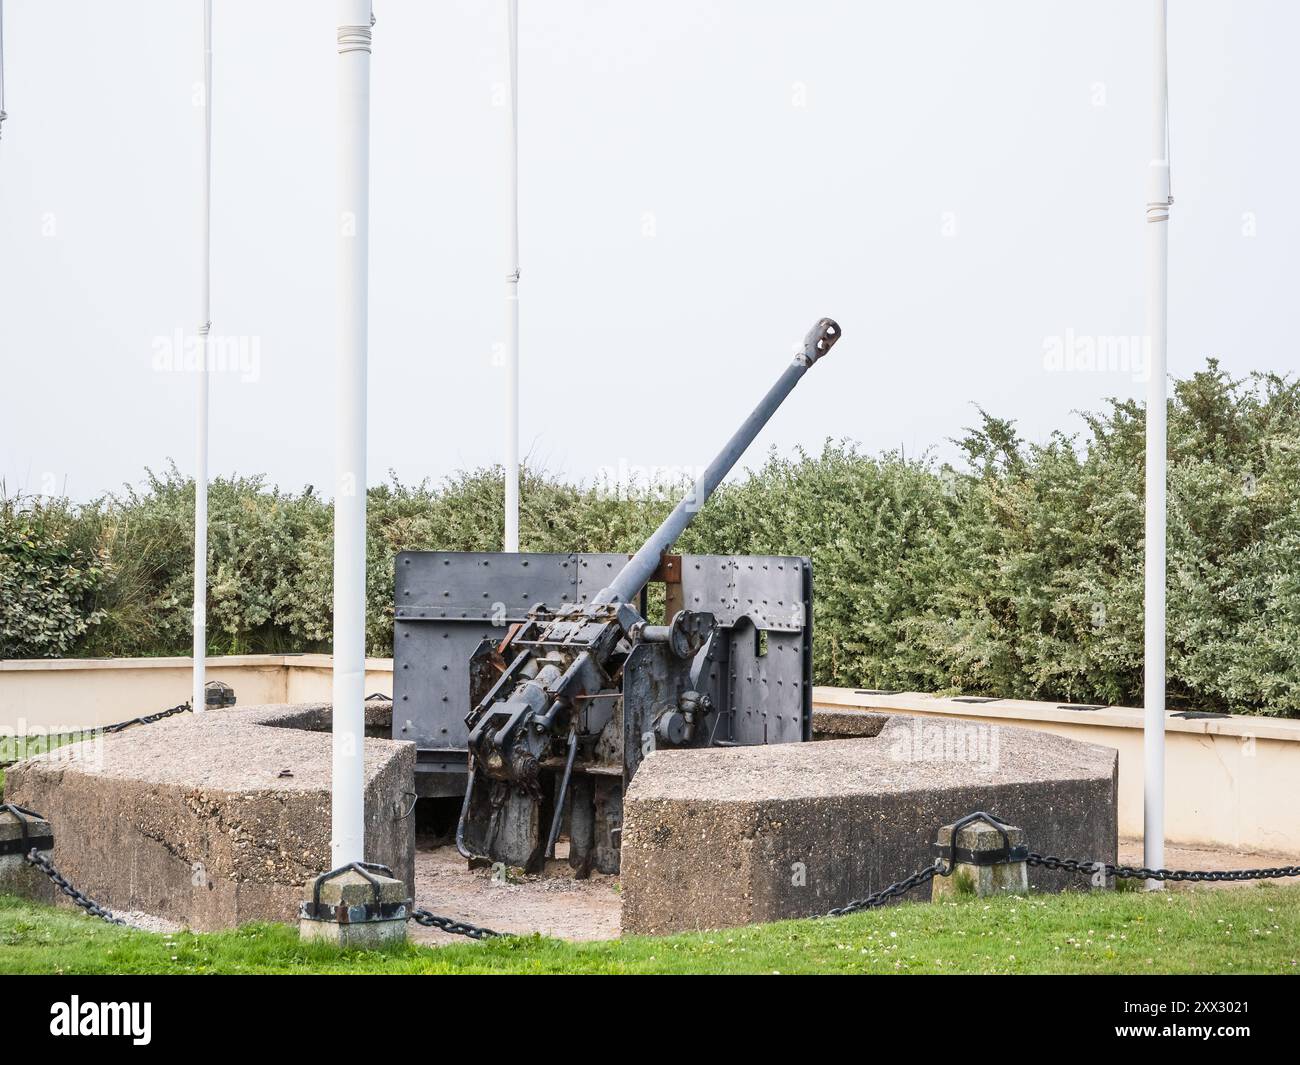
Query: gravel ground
x=147, y=922
x=554, y=903
x=1188, y=857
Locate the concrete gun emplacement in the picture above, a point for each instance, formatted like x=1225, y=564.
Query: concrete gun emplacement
x=564, y=708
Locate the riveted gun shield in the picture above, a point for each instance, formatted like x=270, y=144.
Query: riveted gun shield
x=533, y=685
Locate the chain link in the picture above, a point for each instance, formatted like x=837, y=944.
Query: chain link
x=1211, y=876
x=453, y=927
x=35, y=858
x=894, y=891
x=148, y=719
x=83, y=900
x=1072, y=865
x=108, y=730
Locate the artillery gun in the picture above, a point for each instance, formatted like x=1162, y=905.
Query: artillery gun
x=565, y=701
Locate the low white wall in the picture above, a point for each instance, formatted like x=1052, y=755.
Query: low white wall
x=1229, y=781
x=69, y=694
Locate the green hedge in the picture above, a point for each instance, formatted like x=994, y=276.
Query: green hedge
x=1017, y=574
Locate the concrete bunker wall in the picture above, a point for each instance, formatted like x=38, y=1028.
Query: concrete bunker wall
x=217, y=819
x=221, y=819
x=730, y=836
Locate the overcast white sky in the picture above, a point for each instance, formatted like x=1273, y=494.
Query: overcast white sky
x=955, y=182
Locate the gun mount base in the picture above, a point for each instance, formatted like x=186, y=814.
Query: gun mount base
x=731, y=665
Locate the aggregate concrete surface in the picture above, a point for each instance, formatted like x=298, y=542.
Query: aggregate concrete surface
x=213, y=819
x=729, y=836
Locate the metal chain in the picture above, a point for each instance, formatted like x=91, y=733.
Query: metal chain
x=1072, y=865
x=453, y=927
x=1086, y=868
x=34, y=857
x=148, y=719
x=894, y=891
x=422, y=917
x=106, y=730
x=61, y=882
x=428, y=919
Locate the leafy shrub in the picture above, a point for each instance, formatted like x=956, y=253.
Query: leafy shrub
x=49, y=577
x=1017, y=574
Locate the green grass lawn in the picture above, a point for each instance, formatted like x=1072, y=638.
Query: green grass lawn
x=1252, y=929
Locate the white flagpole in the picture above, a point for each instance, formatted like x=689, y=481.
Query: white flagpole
x=347, y=822
x=512, y=293
x=3, y=116
x=201, y=413
x=1157, y=307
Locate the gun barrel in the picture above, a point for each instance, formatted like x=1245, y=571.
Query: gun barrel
x=641, y=566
